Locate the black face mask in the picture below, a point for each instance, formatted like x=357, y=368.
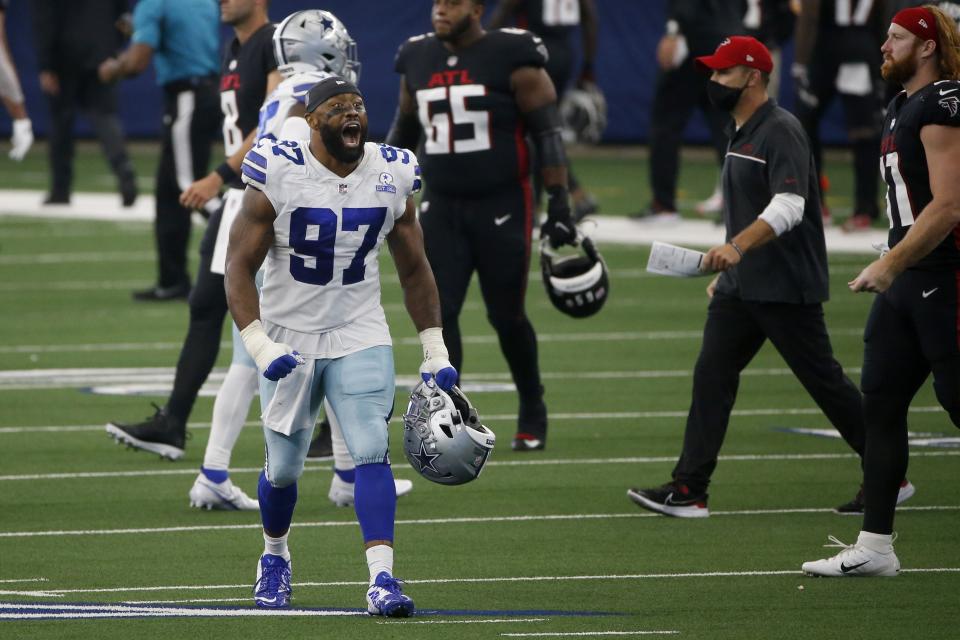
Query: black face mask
x=722, y=96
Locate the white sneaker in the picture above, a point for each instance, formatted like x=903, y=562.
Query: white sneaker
x=341, y=491
x=713, y=204
x=206, y=494
x=855, y=560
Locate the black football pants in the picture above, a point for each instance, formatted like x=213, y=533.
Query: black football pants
x=490, y=236
x=913, y=330
x=734, y=332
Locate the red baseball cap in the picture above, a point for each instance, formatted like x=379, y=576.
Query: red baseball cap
x=735, y=51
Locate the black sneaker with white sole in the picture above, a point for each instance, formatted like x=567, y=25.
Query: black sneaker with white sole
x=160, y=434
x=531, y=426
x=672, y=499
x=855, y=506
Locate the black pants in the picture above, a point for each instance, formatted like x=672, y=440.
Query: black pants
x=912, y=331
x=82, y=92
x=734, y=332
x=678, y=93
x=491, y=236
x=191, y=116
x=862, y=112
x=208, y=307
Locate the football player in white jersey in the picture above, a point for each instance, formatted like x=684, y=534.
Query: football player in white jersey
x=318, y=211
x=309, y=46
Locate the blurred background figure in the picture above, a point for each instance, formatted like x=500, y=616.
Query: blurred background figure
x=72, y=38
x=694, y=28
x=12, y=95
x=183, y=39
x=555, y=21
x=838, y=53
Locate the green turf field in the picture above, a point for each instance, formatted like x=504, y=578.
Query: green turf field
x=543, y=545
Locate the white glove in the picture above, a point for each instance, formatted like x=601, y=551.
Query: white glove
x=21, y=139
x=275, y=359
x=436, y=361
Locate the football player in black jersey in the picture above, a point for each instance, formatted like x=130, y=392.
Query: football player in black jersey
x=248, y=74
x=476, y=94
x=914, y=325
x=555, y=21
x=837, y=53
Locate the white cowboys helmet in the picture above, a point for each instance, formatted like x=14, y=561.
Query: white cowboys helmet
x=583, y=111
x=576, y=285
x=442, y=435
x=315, y=40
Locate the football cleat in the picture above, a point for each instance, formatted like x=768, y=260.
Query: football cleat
x=385, y=598
x=272, y=588
x=672, y=499
x=341, y=491
x=855, y=506
x=528, y=442
x=160, y=434
x=225, y=496
x=854, y=561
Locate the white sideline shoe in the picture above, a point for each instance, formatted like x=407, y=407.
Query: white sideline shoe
x=855, y=560
x=341, y=492
x=206, y=494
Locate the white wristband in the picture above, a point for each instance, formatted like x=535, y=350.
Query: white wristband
x=433, y=346
x=259, y=345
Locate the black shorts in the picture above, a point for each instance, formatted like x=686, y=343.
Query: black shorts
x=913, y=329
x=490, y=235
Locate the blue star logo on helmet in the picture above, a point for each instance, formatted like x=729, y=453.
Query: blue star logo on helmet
x=425, y=459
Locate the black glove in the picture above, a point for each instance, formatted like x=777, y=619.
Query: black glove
x=559, y=227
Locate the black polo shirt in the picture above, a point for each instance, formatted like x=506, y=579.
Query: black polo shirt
x=770, y=154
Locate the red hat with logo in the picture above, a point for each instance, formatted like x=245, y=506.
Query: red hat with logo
x=735, y=51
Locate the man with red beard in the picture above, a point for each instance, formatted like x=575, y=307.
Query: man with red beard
x=913, y=326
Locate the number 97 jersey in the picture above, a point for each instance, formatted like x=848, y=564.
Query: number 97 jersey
x=474, y=133
x=322, y=271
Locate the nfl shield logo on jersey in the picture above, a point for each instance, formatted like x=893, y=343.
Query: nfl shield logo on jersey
x=342, y=188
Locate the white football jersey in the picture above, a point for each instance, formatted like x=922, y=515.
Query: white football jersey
x=277, y=106
x=321, y=290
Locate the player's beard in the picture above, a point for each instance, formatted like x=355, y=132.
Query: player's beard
x=457, y=30
x=900, y=71
x=333, y=141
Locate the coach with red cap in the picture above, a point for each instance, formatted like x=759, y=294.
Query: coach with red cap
x=772, y=276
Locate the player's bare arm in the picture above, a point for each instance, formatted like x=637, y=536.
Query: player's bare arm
x=131, y=62
x=724, y=256
x=405, y=130
x=536, y=96
x=416, y=277
x=197, y=194
x=937, y=220
x=250, y=239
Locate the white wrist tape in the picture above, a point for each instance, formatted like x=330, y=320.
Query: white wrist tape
x=259, y=345
x=433, y=346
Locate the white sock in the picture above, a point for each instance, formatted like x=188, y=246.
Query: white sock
x=379, y=558
x=276, y=546
x=342, y=459
x=229, y=413
x=878, y=542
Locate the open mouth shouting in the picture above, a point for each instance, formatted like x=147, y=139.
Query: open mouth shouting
x=351, y=133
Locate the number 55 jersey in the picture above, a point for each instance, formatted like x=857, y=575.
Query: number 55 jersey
x=321, y=288
x=474, y=134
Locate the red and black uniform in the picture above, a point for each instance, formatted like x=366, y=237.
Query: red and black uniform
x=914, y=327
x=243, y=87
x=477, y=207
x=845, y=61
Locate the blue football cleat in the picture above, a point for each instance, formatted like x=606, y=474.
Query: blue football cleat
x=385, y=598
x=272, y=588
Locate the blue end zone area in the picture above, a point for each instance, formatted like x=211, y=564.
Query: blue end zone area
x=88, y=610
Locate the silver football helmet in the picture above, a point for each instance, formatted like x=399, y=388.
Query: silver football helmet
x=442, y=435
x=315, y=40
x=583, y=111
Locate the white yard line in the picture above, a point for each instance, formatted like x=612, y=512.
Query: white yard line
x=749, y=457
x=587, y=634
x=434, y=522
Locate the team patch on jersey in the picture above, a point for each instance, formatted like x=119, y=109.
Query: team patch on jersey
x=386, y=183
x=951, y=104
